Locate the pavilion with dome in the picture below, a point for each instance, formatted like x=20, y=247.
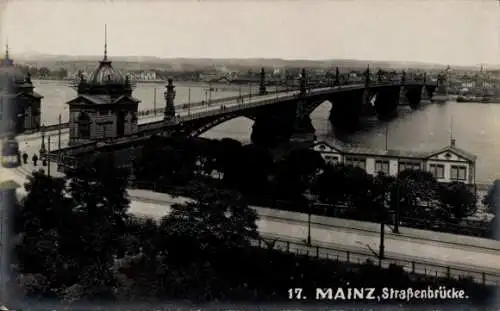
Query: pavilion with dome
x=104, y=107
x=20, y=105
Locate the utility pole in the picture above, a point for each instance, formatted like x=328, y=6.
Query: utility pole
x=42, y=147
x=154, y=102
x=309, y=223
x=398, y=207
x=381, y=250
x=59, y=134
x=189, y=101
x=209, y=92
x=48, y=157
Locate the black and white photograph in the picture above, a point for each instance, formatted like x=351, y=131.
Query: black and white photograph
x=249, y=155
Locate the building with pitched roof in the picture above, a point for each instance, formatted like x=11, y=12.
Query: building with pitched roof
x=104, y=107
x=20, y=105
x=447, y=164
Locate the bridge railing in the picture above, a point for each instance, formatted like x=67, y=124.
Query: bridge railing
x=343, y=254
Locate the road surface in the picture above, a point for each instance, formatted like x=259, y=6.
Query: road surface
x=338, y=240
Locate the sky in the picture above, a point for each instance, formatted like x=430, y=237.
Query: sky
x=455, y=32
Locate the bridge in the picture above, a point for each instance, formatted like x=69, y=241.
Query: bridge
x=277, y=116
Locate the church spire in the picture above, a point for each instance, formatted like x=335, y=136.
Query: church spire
x=105, y=42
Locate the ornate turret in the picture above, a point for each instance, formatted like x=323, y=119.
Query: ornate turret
x=104, y=107
x=105, y=80
x=303, y=81
x=169, y=100
x=7, y=61
x=24, y=102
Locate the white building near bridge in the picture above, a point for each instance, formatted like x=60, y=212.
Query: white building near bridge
x=447, y=164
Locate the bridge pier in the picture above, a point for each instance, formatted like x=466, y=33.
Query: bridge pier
x=274, y=124
x=414, y=95
x=430, y=89
x=347, y=108
x=387, y=101
x=368, y=109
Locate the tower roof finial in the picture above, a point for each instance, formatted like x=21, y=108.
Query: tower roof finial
x=7, y=48
x=105, y=42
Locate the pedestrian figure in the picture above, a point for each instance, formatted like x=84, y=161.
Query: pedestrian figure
x=25, y=158
x=35, y=159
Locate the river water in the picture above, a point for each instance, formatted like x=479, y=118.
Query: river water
x=475, y=126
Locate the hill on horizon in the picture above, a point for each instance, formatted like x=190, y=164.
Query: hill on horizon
x=179, y=63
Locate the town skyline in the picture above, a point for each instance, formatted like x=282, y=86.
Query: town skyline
x=455, y=33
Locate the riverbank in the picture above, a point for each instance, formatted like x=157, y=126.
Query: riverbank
x=478, y=99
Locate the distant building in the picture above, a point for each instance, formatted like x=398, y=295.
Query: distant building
x=20, y=105
x=447, y=164
x=104, y=107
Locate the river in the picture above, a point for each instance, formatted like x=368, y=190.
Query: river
x=475, y=126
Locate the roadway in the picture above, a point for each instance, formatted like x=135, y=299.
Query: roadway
x=470, y=253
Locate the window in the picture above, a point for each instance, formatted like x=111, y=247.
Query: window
x=83, y=126
x=402, y=166
x=382, y=166
x=331, y=159
x=356, y=162
x=437, y=170
x=458, y=172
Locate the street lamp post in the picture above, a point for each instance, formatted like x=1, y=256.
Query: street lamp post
x=42, y=147
x=310, y=198
x=59, y=133
x=48, y=158
x=381, y=251
x=189, y=101
x=154, y=102
x=209, y=92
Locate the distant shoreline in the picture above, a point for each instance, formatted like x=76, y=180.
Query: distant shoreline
x=478, y=99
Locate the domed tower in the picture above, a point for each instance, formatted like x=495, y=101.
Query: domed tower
x=19, y=103
x=104, y=107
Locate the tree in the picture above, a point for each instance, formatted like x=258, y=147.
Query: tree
x=411, y=188
x=98, y=190
x=457, y=201
x=296, y=171
x=345, y=184
x=44, y=72
x=41, y=221
x=229, y=153
x=215, y=221
x=492, y=198
x=258, y=163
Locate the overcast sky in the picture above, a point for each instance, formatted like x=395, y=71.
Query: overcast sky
x=461, y=32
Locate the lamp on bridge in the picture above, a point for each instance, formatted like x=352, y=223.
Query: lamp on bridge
x=42, y=150
x=367, y=75
x=337, y=76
